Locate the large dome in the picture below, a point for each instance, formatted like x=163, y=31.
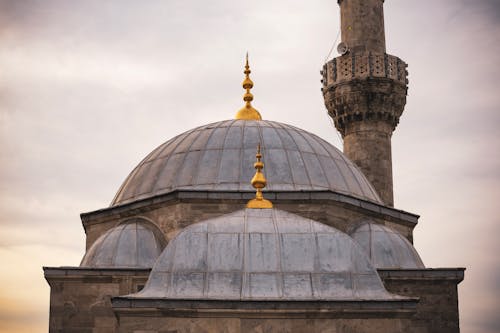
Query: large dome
x=263, y=254
x=220, y=156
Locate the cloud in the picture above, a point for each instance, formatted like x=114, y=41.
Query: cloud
x=89, y=88
x=490, y=8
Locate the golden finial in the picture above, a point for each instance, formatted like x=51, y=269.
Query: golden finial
x=248, y=112
x=259, y=182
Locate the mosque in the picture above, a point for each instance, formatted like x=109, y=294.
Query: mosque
x=250, y=225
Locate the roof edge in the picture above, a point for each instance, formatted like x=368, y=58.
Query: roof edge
x=452, y=274
x=401, y=308
x=90, y=271
x=389, y=213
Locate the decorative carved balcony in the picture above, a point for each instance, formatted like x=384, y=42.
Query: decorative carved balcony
x=365, y=86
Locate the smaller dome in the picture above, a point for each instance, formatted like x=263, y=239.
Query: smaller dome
x=386, y=247
x=137, y=243
x=263, y=254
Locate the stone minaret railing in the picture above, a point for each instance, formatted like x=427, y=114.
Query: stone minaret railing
x=365, y=92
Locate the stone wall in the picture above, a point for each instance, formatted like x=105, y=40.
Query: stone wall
x=183, y=316
x=80, y=299
x=180, y=209
x=437, y=310
x=256, y=325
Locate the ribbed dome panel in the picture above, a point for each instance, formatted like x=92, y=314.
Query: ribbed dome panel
x=263, y=254
x=220, y=157
x=133, y=244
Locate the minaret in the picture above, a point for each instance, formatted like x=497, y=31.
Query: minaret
x=365, y=92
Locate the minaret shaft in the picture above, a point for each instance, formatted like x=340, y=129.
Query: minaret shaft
x=362, y=25
x=368, y=145
x=365, y=92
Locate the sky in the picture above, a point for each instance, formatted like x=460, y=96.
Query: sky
x=88, y=88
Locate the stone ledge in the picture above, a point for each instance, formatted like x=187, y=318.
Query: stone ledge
x=453, y=274
x=94, y=275
x=136, y=207
x=123, y=305
x=86, y=271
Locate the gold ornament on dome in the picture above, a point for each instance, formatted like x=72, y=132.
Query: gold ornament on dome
x=248, y=112
x=259, y=182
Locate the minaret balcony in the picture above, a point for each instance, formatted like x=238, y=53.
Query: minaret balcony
x=365, y=87
x=363, y=66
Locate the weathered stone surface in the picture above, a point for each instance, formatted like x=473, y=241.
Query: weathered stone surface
x=437, y=310
x=80, y=298
x=362, y=23
x=291, y=324
x=172, y=214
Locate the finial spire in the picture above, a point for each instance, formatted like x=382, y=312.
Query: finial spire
x=248, y=112
x=259, y=182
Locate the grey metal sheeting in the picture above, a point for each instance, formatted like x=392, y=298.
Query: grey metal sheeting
x=133, y=244
x=386, y=247
x=263, y=254
x=220, y=157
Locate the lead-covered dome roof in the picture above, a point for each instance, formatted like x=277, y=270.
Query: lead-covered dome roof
x=219, y=157
x=136, y=243
x=263, y=254
x=386, y=247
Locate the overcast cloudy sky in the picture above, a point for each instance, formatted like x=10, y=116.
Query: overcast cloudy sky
x=88, y=88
